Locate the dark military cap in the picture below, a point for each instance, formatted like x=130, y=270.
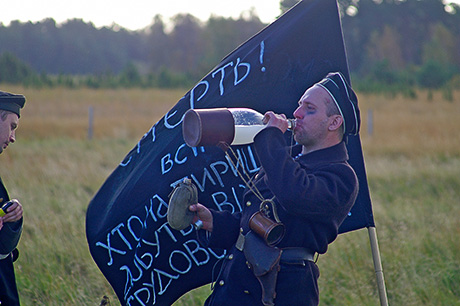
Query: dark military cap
x=345, y=99
x=11, y=102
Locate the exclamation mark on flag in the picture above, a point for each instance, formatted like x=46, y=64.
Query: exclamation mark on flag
x=261, y=57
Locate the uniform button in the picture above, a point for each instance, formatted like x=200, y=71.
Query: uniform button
x=221, y=283
x=248, y=203
x=248, y=264
x=230, y=256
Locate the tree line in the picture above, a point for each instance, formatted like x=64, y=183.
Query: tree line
x=391, y=45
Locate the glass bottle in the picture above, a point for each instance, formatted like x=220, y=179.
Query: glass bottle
x=230, y=126
x=248, y=123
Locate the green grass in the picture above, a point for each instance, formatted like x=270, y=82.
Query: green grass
x=414, y=183
x=55, y=180
x=416, y=211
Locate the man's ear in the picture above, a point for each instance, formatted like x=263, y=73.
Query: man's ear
x=336, y=123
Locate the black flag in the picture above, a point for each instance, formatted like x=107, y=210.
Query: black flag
x=146, y=261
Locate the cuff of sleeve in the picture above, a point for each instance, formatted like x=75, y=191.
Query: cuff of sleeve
x=15, y=226
x=9, y=236
x=268, y=132
x=222, y=235
x=203, y=237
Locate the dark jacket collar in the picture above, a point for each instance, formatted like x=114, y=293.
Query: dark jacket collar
x=336, y=153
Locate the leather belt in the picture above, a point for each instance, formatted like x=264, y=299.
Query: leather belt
x=288, y=255
x=296, y=255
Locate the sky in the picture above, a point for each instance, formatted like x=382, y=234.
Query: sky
x=131, y=14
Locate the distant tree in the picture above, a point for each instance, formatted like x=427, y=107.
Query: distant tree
x=387, y=41
x=382, y=72
x=222, y=35
x=386, y=46
x=433, y=74
x=442, y=45
x=186, y=46
x=130, y=76
x=168, y=79
x=13, y=70
x=413, y=20
x=285, y=5
x=158, y=45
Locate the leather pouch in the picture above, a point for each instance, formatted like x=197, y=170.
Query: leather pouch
x=264, y=262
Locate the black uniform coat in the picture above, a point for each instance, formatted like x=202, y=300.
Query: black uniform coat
x=313, y=194
x=9, y=238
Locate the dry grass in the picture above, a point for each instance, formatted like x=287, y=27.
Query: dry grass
x=416, y=127
x=118, y=113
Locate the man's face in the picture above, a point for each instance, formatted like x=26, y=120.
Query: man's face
x=8, y=130
x=312, y=122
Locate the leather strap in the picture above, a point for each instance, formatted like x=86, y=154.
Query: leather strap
x=295, y=255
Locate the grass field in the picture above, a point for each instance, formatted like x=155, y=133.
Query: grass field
x=413, y=166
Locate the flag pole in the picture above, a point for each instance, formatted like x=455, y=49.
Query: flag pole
x=378, y=266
